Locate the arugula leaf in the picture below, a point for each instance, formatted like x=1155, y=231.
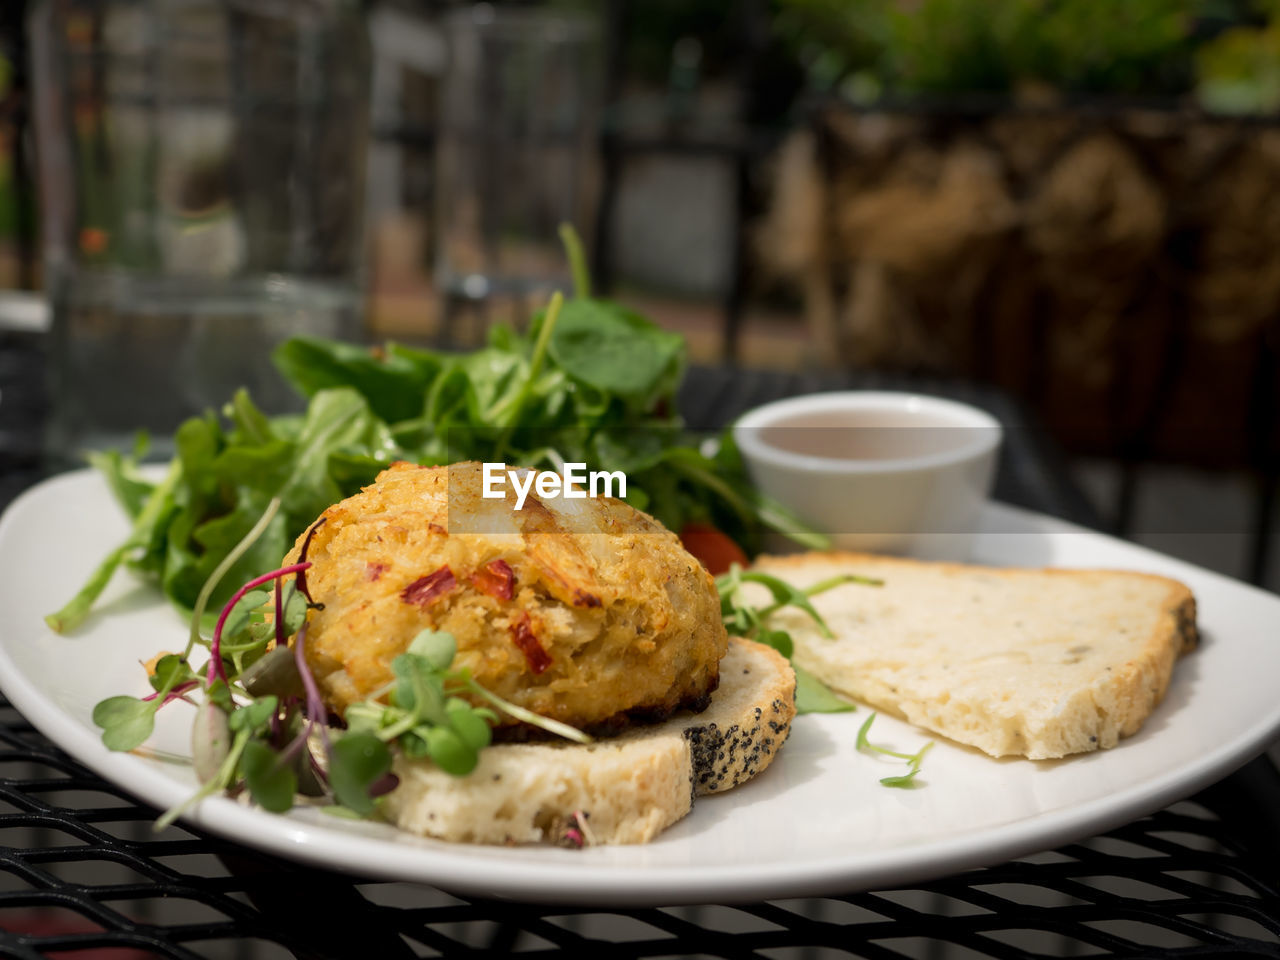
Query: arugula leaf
x=336, y=418
x=145, y=525
x=780, y=640
x=217, y=538
x=393, y=381
x=616, y=351
x=577, y=260
x=120, y=471
x=252, y=424
x=814, y=696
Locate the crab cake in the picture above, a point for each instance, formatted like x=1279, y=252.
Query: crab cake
x=583, y=610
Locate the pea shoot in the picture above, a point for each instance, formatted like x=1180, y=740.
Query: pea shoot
x=742, y=619
x=913, y=759
x=812, y=695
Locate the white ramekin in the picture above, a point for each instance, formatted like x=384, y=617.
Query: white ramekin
x=925, y=501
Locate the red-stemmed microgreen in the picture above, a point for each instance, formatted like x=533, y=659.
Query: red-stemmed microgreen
x=126, y=721
x=316, y=713
x=216, y=668
x=178, y=692
x=277, y=597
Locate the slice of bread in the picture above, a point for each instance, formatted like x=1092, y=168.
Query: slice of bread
x=621, y=790
x=1037, y=663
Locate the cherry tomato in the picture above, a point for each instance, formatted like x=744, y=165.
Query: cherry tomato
x=716, y=551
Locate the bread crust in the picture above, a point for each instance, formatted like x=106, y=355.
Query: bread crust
x=1040, y=702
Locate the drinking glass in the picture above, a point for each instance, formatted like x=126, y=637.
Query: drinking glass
x=202, y=191
x=518, y=134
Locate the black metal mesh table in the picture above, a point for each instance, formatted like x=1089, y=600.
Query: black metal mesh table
x=83, y=875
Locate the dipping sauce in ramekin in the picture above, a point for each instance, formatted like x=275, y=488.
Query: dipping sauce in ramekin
x=882, y=472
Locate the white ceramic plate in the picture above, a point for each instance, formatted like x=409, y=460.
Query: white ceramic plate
x=817, y=822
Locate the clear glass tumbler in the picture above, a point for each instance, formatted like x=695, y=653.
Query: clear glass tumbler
x=202, y=175
x=515, y=154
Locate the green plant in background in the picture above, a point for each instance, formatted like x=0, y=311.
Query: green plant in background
x=837, y=42
x=1099, y=46
x=1227, y=52
x=1239, y=70
x=938, y=46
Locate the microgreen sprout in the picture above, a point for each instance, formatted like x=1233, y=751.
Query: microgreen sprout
x=913, y=759
x=254, y=728
x=750, y=622
x=426, y=716
x=215, y=646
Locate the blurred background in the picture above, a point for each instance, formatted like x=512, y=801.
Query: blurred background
x=1076, y=201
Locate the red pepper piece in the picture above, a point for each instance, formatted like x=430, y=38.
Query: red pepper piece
x=495, y=578
x=522, y=636
x=426, y=590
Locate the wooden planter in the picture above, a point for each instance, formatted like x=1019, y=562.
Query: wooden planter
x=1117, y=267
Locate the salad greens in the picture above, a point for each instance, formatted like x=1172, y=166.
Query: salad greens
x=590, y=381
x=743, y=620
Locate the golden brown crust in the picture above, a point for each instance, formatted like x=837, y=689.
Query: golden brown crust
x=608, y=618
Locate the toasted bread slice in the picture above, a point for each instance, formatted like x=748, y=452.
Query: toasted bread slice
x=625, y=789
x=1037, y=663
